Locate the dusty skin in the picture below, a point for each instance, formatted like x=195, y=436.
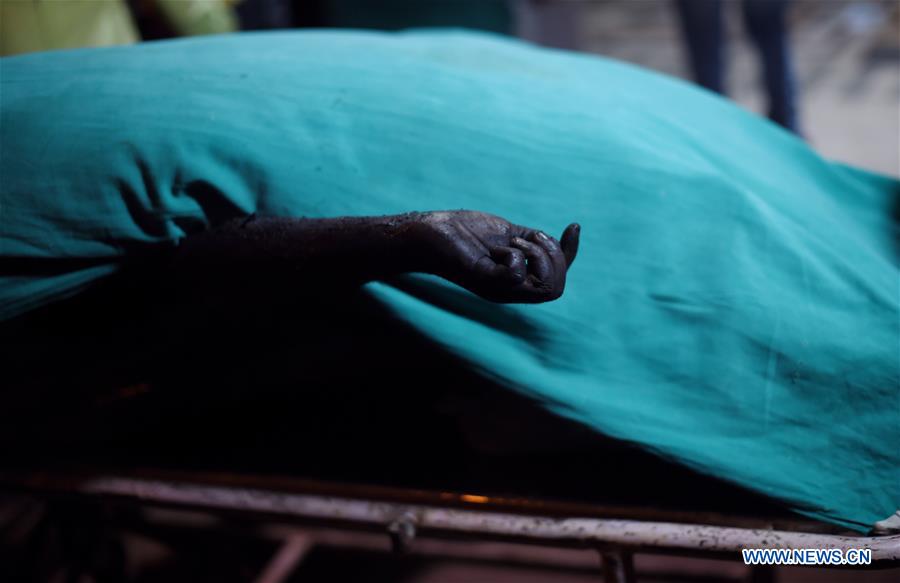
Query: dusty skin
x=486, y=254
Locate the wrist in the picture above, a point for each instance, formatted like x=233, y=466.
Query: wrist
x=407, y=236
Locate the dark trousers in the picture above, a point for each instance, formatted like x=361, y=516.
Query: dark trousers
x=764, y=20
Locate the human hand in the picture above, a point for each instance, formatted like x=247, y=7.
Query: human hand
x=494, y=258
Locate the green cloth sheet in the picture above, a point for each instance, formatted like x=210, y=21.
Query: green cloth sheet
x=734, y=305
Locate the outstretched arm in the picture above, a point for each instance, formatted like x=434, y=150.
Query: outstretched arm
x=483, y=253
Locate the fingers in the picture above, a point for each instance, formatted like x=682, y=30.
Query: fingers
x=506, y=267
x=539, y=263
x=507, y=263
x=569, y=242
x=552, y=248
x=514, y=261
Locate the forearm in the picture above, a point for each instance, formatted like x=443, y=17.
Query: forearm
x=483, y=253
x=316, y=253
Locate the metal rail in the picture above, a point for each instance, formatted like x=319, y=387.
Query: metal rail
x=406, y=521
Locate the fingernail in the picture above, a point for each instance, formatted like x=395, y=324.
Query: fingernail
x=542, y=236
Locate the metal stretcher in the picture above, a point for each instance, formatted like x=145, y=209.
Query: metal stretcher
x=421, y=522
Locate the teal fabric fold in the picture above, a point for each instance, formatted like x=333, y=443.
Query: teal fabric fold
x=734, y=305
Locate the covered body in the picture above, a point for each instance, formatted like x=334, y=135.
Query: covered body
x=734, y=305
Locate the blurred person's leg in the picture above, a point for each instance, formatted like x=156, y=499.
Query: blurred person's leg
x=264, y=14
x=547, y=22
x=765, y=22
x=309, y=13
x=489, y=15
x=701, y=22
